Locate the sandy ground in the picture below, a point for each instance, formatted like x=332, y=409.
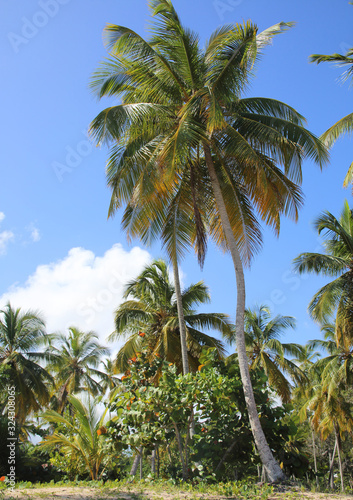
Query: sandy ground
x=62, y=493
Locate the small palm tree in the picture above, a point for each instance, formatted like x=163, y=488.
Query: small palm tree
x=337, y=366
x=266, y=351
x=109, y=380
x=149, y=319
x=74, y=359
x=80, y=439
x=335, y=298
x=22, y=335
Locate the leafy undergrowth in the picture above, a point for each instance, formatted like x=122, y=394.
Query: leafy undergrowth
x=158, y=490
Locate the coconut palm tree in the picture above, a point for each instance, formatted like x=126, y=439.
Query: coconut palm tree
x=182, y=106
x=306, y=357
x=265, y=349
x=331, y=412
x=325, y=398
x=345, y=124
x=22, y=336
x=80, y=437
x=74, y=359
x=337, y=366
x=110, y=379
x=149, y=319
x=334, y=298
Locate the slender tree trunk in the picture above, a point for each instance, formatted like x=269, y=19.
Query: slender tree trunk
x=153, y=461
x=158, y=461
x=227, y=452
x=136, y=462
x=169, y=454
x=180, y=447
x=273, y=469
x=338, y=440
x=314, y=453
x=182, y=328
x=141, y=464
x=331, y=463
x=263, y=474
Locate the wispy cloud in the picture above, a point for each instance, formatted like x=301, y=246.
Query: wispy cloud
x=5, y=237
x=34, y=233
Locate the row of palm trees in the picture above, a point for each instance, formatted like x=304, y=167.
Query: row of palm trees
x=44, y=368
x=320, y=388
x=47, y=368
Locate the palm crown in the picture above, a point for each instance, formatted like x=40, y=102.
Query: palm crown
x=264, y=349
x=149, y=319
x=22, y=335
x=74, y=358
x=336, y=262
x=177, y=100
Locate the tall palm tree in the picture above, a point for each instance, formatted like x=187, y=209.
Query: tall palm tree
x=74, y=359
x=345, y=124
x=80, y=437
x=22, y=336
x=336, y=296
x=265, y=349
x=182, y=110
x=149, y=319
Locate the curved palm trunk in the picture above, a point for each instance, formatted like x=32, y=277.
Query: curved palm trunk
x=273, y=469
x=182, y=328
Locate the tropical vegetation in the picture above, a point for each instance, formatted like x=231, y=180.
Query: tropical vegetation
x=193, y=158
x=183, y=127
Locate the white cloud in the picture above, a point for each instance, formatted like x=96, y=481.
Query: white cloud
x=5, y=238
x=35, y=234
x=80, y=290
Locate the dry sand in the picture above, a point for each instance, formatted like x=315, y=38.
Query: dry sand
x=62, y=493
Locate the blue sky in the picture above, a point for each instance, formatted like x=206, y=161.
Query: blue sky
x=58, y=251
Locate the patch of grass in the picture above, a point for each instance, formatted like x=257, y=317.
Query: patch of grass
x=153, y=489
